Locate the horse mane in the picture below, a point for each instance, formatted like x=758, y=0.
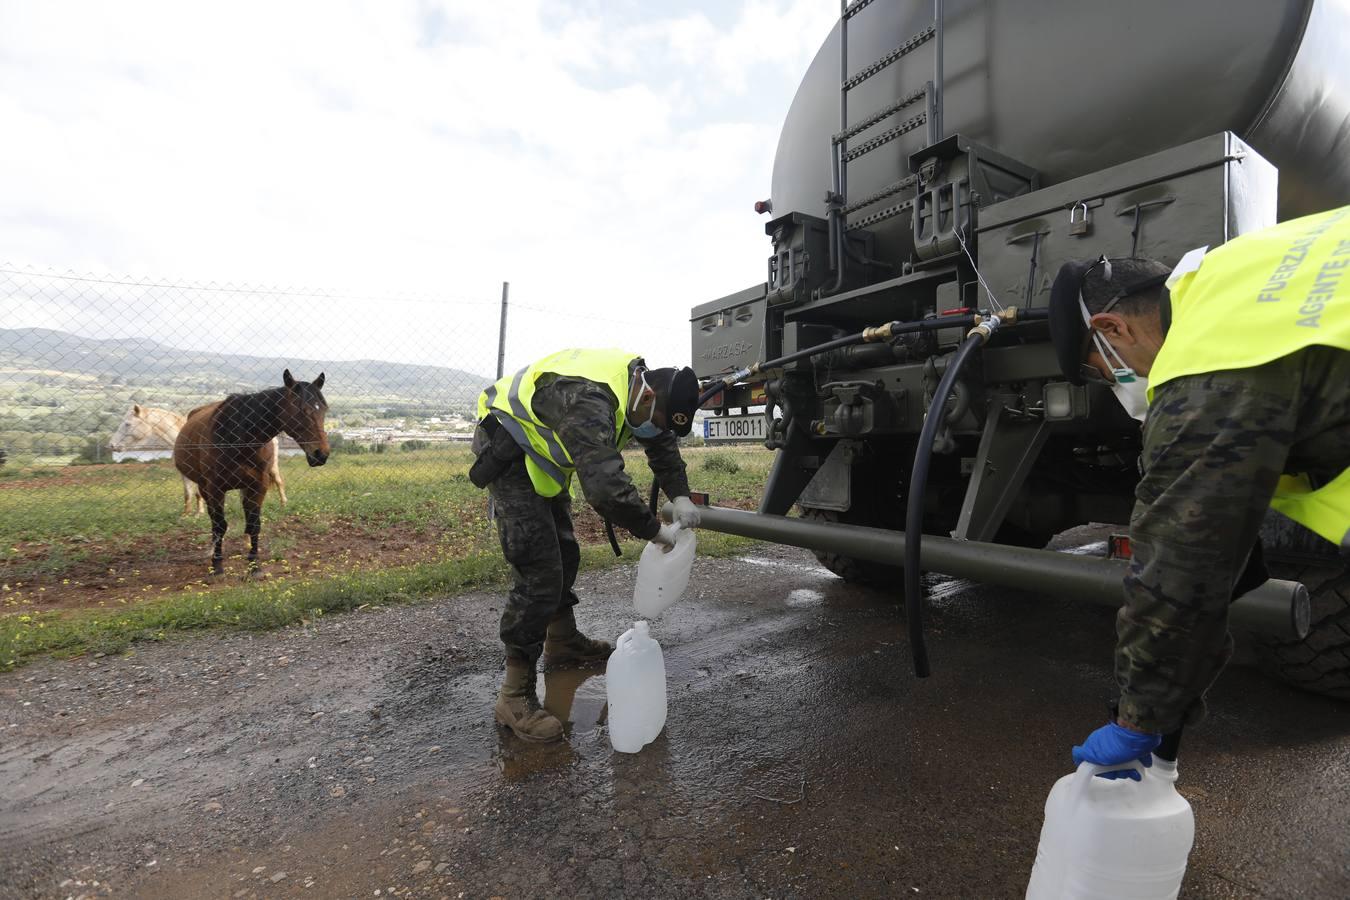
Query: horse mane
x=241, y=414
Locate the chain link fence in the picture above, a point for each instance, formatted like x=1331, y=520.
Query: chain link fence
x=397, y=369
x=98, y=374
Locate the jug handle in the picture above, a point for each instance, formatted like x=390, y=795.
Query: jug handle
x=1087, y=771
x=675, y=526
x=627, y=637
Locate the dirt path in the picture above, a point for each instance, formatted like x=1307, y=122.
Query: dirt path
x=99, y=575
x=800, y=759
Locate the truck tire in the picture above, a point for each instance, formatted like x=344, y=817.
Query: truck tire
x=851, y=569
x=1319, y=663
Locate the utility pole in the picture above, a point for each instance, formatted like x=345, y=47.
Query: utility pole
x=501, y=334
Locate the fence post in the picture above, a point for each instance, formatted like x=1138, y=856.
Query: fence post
x=501, y=333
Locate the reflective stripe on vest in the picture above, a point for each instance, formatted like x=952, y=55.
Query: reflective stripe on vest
x=510, y=400
x=1256, y=299
x=517, y=431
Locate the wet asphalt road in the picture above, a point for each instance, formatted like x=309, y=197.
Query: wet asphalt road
x=356, y=757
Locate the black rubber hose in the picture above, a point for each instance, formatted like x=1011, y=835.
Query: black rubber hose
x=933, y=324
x=918, y=483
x=718, y=386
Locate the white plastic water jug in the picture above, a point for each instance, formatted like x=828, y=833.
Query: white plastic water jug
x=1113, y=839
x=635, y=684
x=663, y=574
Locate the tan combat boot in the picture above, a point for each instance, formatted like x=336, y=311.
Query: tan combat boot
x=518, y=706
x=565, y=646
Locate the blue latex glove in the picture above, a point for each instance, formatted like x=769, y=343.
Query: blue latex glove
x=1114, y=745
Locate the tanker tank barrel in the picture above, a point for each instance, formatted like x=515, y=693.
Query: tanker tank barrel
x=1277, y=608
x=1060, y=104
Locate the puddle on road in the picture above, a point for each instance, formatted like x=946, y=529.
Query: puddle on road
x=783, y=564
x=805, y=597
x=945, y=589
x=518, y=760
x=577, y=698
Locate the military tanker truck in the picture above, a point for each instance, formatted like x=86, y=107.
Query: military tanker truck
x=939, y=162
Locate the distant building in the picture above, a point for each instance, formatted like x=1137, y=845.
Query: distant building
x=156, y=448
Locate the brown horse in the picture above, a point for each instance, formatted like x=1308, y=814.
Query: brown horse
x=148, y=428
x=227, y=446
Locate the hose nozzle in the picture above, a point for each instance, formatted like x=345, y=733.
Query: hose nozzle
x=986, y=327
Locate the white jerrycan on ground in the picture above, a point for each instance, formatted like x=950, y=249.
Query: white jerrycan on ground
x=1113, y=839
x=635, y=685
x=663, y=575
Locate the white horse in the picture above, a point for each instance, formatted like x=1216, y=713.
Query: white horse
x=149, y=428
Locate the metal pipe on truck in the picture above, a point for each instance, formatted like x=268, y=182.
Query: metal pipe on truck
x=1277, y=608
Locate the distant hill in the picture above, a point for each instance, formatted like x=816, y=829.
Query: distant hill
x=26, y=353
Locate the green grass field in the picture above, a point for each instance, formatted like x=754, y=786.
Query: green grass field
x=61, y=529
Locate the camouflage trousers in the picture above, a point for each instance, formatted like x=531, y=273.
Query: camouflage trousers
x=1215, y=446
x=539, y=543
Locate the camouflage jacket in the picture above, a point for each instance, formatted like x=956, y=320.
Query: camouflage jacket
x=582, y=414
x=1215, y=446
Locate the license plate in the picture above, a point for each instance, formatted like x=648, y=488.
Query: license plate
x=734, y=428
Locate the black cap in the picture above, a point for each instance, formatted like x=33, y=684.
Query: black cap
x=1068, y=331
x=1101, y=282
x=676, y=397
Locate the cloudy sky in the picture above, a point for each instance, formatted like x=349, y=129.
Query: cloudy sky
x=601, y=156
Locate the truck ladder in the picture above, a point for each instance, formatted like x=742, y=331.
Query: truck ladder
x=840, y=153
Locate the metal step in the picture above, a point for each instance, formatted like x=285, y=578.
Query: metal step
x=856, y=7
x=889, y=190
x=885, y=137
x=889, y=212
x=880, y=114
x=903, y=50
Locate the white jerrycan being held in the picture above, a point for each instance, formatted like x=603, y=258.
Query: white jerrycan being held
x=663, y=574
x=1113, y=839
x=635, y=684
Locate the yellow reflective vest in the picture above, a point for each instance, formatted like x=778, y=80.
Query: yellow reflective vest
x=509, y=400
x=1260, y=297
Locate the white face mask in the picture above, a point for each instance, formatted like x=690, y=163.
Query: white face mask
x=1133, y=395
x=1130, y=388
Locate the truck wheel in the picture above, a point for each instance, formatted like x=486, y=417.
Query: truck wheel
x=851, y=569
x=1319, y=663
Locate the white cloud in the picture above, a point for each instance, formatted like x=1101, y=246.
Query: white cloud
x=604, y=165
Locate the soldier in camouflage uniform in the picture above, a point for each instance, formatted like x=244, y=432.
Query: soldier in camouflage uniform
x=587, y=413
x=1216, y=446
